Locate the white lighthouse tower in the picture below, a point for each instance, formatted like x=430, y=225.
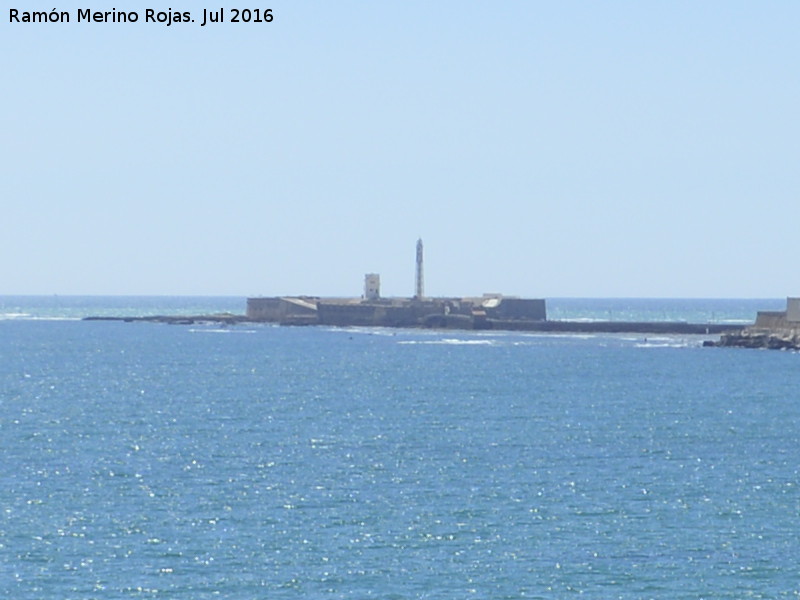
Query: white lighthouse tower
x=419, y=287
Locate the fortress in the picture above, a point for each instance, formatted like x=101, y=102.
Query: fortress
x=490, y=311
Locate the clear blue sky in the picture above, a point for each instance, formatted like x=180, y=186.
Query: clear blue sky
x=539, y=148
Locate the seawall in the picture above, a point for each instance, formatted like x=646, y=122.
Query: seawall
x=651, y=327
x=459, y=322
x=223, y=319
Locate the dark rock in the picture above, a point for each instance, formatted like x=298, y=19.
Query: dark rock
x=757, y=338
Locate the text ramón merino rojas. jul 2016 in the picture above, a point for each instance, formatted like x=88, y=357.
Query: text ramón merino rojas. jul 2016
x=166, y=17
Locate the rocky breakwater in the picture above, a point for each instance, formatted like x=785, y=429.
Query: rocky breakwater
x=223, y=319
x=756, y=337
x=773, y=330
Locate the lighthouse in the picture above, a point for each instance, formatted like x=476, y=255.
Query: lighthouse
x=419, y=286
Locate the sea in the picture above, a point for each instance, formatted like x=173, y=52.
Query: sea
x=147, y=460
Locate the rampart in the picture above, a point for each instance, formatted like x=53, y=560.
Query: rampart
x=464, y=313
x=281, y=309
x=773, y=320
x=383, y=314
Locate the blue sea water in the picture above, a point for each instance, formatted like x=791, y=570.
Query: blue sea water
x=142, y=460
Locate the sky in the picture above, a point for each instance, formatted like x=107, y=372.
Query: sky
x=542, y=149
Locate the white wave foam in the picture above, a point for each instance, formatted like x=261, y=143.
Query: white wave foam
x=385, y=331
x=451, y=342
x=561, y=336
x=581, y=320
x=56, y=319
x=193, y=330
x=29, y=317
x=663, y=345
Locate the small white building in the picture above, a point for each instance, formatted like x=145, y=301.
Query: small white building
x=372, y=286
